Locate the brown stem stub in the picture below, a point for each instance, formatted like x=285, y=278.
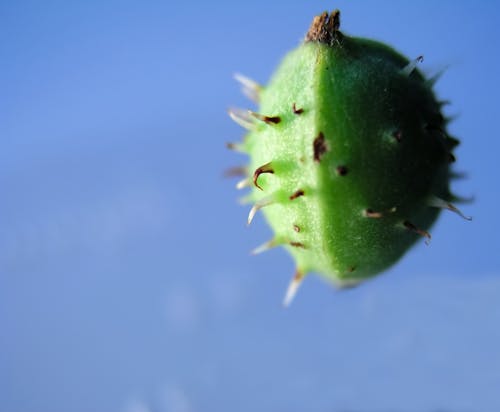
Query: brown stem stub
x=267, y=168
x=325, y=28
x=319, y=146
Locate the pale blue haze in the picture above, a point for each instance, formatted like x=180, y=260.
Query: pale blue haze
x=125, y=279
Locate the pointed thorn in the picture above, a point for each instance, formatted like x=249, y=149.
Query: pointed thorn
x=242, y=118
x=243, y=183
x=257, y=206
x=432, y=80
x=296, y=194
x=421, y=232
x=452, y=141
x=292, y=289
x=410, y=67
x=266, y=119
x=443, y=204
x=265, y=247
x=249, y=87
x=267, y=168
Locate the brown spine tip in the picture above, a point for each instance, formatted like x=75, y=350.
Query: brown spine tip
x=296, y=194
x=319, y=147
x=297, y=111
x=341, y=170
x=297, y=244
x=293, y=287
x=418, y=231
x=325, y=28
x=267, y=168
x=266, y=119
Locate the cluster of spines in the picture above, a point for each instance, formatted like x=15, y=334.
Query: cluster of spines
x=248, y=118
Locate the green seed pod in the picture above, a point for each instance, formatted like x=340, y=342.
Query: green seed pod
x=349, y=155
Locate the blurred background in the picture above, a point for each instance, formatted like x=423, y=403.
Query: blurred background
x=125, y=279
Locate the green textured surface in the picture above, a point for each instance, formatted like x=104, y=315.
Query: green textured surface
x=357, y=96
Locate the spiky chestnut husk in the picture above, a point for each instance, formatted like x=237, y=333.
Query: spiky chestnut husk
x=348, y=152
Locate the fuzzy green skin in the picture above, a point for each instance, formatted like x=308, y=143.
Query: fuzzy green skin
x=357, y=96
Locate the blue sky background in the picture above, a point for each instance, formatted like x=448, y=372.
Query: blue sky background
x=125, y=279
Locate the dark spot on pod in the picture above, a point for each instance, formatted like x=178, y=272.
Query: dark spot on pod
x=296, y=228
x=351, y=269
x=297, y=244
x=297, y=194
x=319, y=146
x=341, y=170
x=267, y=168
x=297, y=111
